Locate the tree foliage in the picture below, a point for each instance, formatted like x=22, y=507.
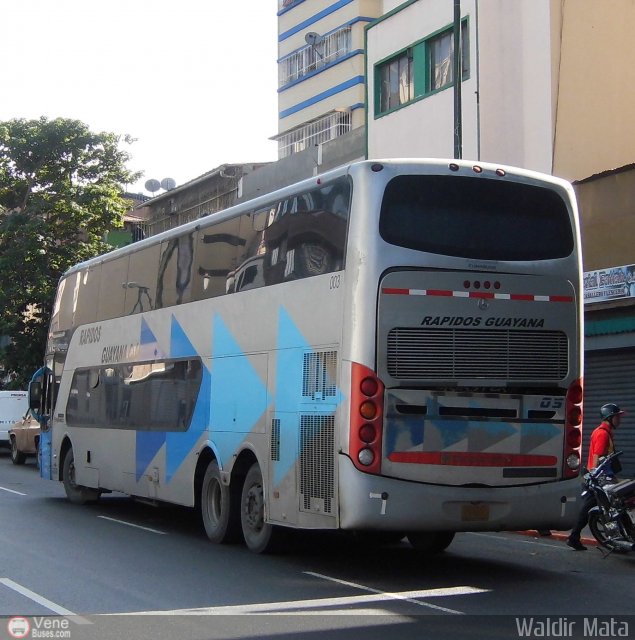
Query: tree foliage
x=61, y=189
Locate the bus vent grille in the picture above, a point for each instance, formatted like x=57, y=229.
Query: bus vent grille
x=318, y=375
x=426, y=353
x=275, y=439
x=317, y=463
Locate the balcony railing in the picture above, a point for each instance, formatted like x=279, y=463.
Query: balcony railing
x=314, y=133
x=313, y=57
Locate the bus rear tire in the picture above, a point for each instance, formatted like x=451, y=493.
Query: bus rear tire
x=76, y=493
x=430, y=541
x=260, y=536
x=218, y=510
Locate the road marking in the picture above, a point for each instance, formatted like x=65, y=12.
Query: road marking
x=328, y=606
x=298, y=607
x=136, y=526
x=408, y=596
x=36, y=597
x=12, y=491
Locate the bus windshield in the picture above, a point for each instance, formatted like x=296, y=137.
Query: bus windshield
x=476, y=218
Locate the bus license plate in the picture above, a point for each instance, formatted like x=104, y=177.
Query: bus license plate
x=475, y=512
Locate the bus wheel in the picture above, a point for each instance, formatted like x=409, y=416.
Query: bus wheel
x=260, y=537
x=430, y=541
x=220, y=515
x=76, y=493
x=17, y=457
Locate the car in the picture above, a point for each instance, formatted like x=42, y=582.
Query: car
x=24, y=437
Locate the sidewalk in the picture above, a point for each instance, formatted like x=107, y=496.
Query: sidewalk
x=586, y=538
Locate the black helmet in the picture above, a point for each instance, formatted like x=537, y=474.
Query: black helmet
x=609, y=410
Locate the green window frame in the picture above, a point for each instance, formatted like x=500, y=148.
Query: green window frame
x=420, y=70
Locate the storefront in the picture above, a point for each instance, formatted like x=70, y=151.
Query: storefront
x=610, y=354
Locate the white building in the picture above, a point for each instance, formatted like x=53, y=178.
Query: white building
x=321, y=84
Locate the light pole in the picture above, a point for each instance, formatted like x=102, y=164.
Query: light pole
x=458, y=126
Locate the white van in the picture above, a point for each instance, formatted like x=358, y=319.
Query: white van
x=13, y=406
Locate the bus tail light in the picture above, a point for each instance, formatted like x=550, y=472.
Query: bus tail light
x=367, y=417
x=573, y=430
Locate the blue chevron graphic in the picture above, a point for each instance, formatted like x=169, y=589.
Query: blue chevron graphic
x=239, y=395
x=178, y=443
x=147, y=444
x=291, y=347
x=533, y=435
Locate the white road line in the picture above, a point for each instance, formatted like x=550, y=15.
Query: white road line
x=48, y=604
x=12, y=491
x=299, y=607
x=136, y=526
x=408, y=596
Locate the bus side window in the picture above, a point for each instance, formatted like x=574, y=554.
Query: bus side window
x=174, y=281
x=217, y=248
x=142, y=280
x=112, y=291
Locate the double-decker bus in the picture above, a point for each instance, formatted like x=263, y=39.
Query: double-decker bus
x=393, y=346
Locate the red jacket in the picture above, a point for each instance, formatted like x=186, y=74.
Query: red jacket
x=601, y=443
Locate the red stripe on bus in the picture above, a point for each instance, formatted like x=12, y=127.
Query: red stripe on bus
x=522, y=296
x=396, y=291
x=526, y=297
x=471, y=459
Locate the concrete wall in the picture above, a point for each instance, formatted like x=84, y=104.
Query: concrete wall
x=595, y=127
x=515, y=83
x=347, y=148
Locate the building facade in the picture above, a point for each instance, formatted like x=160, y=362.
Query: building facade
x=547, y=85
x=321, y=84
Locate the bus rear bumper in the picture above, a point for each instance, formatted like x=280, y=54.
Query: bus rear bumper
x=381, y=503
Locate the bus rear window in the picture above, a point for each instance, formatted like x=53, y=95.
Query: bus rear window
x=475, y=218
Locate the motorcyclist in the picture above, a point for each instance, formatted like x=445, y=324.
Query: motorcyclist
x=601, y=445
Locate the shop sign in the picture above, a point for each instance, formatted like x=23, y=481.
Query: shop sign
x=614, y=283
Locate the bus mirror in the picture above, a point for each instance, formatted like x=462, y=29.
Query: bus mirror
x=35, y=395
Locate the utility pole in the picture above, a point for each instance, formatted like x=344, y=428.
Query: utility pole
x=457, y=73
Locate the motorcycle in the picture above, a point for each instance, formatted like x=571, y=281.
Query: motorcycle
x=612, y=520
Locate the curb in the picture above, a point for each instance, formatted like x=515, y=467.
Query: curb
x=558, y=535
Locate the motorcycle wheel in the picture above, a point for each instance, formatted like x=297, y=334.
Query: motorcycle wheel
x=600, y=533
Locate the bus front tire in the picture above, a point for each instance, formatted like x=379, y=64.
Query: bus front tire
x=430, y=541
x=260, y=536
x=76, y=493
x=218, y=510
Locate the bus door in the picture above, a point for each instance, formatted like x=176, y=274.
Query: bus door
x=41, y=402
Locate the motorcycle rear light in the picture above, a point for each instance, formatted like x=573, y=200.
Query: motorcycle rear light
x=366, y=419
